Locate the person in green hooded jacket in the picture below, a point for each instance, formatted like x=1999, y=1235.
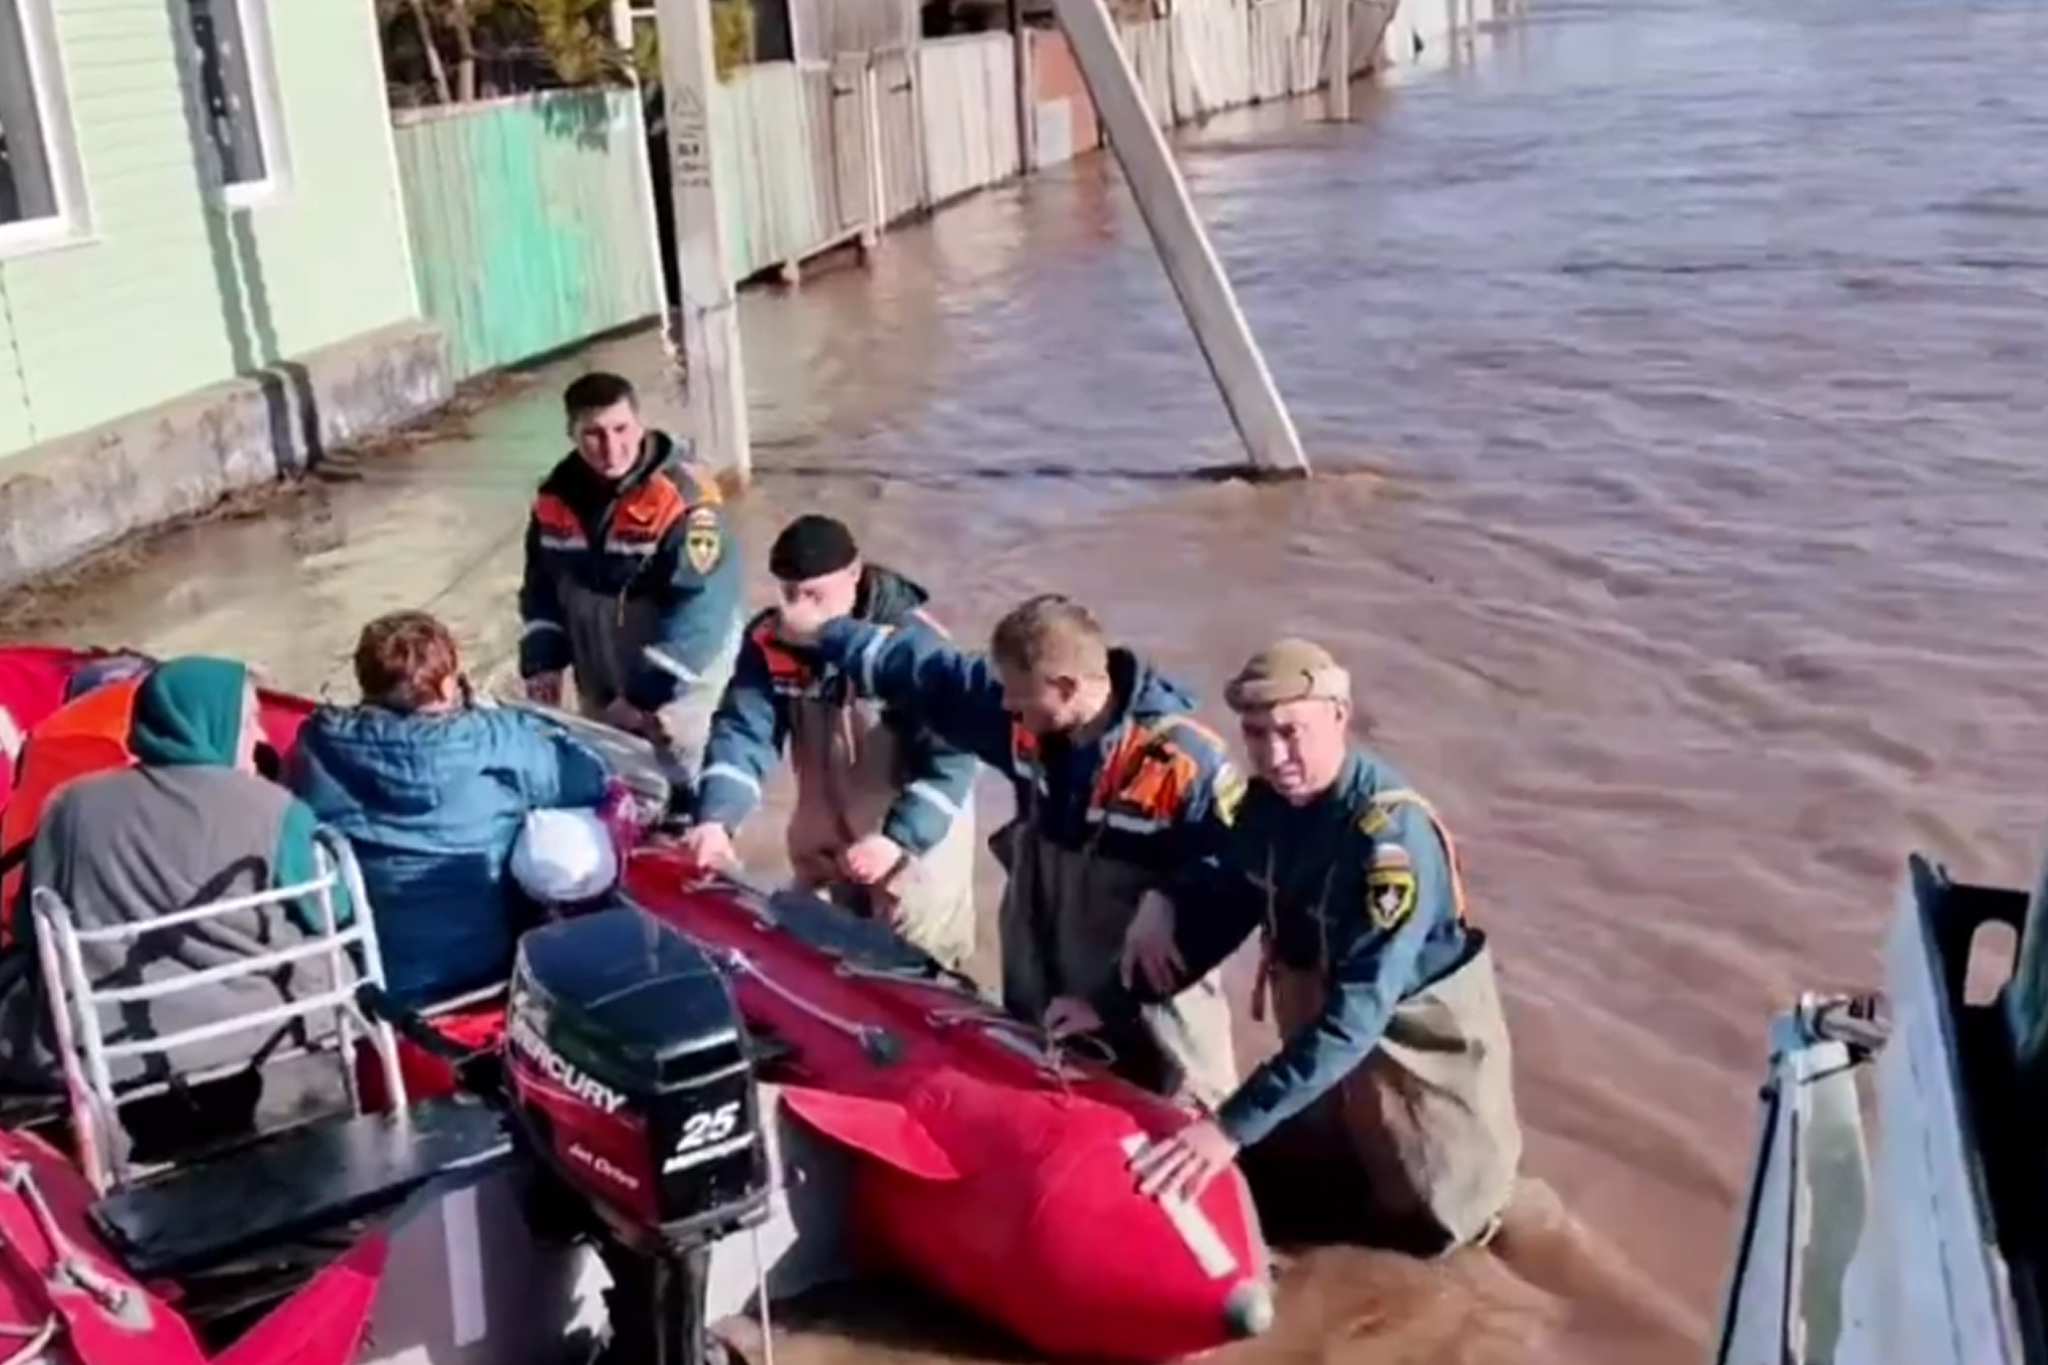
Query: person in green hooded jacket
x=191, y=824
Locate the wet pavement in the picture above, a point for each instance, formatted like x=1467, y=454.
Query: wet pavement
x=1672, y=370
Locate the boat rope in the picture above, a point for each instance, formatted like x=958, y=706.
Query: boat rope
x=877, y=1042
x=1049, y=1055
x=949, y=983
x=72, y=1271
x=34, y=1340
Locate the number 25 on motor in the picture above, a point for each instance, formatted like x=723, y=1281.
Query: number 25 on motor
x=701, y=1130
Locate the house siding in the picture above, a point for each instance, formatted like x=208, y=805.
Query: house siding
x=166, y=297
x=333, y=249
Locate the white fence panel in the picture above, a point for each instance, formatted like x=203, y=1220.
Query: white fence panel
x=967, y=97
x=761, y=134
x=1211, y=58
x=1150, y=44
x=1272, y=28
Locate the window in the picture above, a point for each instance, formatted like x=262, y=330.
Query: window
x=237, y=85
x=38, y=162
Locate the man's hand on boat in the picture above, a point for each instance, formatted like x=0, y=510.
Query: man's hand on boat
x=1184, y=1164
x=545, y=689
x=1179, y=1166
x=873, y=860
x=709, y=846
x=623, y=715
x=1149, y=947
x=1070, y=1015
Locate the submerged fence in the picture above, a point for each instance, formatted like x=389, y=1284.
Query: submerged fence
x=913, y=128
x=532, y=226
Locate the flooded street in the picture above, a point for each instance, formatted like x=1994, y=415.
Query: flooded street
x=1674, y=375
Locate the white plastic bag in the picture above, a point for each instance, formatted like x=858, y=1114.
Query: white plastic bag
x=563, y=857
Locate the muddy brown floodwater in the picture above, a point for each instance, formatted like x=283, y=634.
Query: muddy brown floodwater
x=1674, y=373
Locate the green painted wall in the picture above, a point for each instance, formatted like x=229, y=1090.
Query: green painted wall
x=530, y=222
x=166, y=296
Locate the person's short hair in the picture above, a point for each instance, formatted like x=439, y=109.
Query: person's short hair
x=596, y=391
x=1051, y=633
x=811, y=547
x=404, y=659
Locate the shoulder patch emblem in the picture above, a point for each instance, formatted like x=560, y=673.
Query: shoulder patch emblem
x=1389, y=896
x=1230, y=788
x=702, y=541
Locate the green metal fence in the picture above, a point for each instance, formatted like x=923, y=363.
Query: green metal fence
x=530, y=222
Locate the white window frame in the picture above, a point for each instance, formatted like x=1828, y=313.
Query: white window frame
x=261, y=56
x=71, y=222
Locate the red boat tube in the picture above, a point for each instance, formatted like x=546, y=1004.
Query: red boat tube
x=989, y=1168
x=88, y=734
x=64, y=1297
x=34, y=681
x=37, y=681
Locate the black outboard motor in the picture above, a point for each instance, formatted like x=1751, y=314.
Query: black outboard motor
x=630, y=1077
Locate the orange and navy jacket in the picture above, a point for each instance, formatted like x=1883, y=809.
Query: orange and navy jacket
x=1361, y=885
x=87, y=735
x=661, y=534
x=751, y=728
x=1154, y=790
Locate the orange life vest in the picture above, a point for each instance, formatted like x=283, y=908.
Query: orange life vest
x=85, y=736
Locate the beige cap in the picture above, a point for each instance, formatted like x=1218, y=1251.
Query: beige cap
x=1284, y=671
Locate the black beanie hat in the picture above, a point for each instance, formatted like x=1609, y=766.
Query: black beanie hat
x=811, y=547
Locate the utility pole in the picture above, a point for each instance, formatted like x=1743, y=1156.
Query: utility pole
x=715, y=374
x=1205, y=295
x=1339, y=51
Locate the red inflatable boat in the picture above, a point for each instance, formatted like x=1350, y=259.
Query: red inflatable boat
x=986, y=1166
x=990, y=1168
x=65, y=1299
x=37, y=681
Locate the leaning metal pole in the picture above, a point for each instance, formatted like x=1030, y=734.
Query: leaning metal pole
x=1205, y=295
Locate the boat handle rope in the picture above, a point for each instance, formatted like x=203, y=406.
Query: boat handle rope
x=878, y=1043
x=950, y=983
x=1028, y=1040
x=71, y=1270
x=1049, y=1056
x=33, y=1340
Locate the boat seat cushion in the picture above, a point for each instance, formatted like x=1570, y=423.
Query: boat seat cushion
x=281, y=1189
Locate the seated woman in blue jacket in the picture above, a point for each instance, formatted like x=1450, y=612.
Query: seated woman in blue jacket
x=431, y=792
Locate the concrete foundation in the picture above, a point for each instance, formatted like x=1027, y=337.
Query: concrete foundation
x=67, y=498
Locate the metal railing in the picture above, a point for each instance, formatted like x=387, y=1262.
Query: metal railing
x=75, y=1003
